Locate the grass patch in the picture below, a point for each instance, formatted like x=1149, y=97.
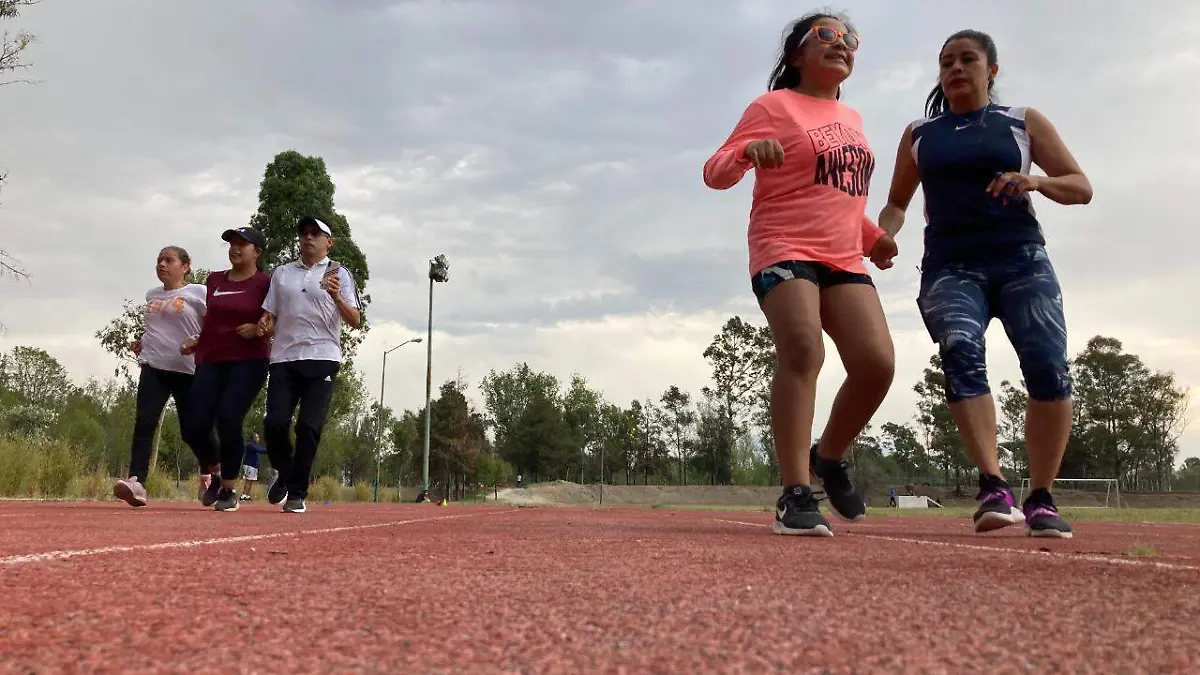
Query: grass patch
x=1140, y=550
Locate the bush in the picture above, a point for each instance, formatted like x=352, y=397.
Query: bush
x=325, y=489
x=57, y=470
x=37, y=468
x=18, y=468
x=362, y=491
x=159, y=484
x=96, y=485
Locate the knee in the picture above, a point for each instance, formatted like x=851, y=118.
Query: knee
x=875, y=368
x=964, y=365
x=1047, y=380
x=800, y=356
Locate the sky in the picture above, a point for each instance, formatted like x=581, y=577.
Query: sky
x=553, y=152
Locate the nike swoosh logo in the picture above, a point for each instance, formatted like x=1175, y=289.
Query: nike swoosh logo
x=779, y=513
x=219, y=293
x=962, y=127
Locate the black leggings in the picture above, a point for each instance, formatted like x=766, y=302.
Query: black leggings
x=222, y=394
x=155, y=386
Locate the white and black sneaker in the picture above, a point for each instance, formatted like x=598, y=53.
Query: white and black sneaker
x=294, y=505
x=798, y=514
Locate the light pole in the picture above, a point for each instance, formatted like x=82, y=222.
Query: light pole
x=439, y=271
x=379, y=442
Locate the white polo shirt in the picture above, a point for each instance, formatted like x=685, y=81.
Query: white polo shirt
x=307, y=323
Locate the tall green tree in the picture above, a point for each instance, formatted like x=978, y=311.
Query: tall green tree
x=296, y=185
x=506, y=397
x=581, y=412
x=1014, y=401
x=679, y=420
x=742, y=359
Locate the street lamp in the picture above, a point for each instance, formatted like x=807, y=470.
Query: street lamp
x=379, y=442
x=439, y=271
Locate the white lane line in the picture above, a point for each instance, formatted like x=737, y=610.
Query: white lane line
x=1089, y=557
x=13, y=560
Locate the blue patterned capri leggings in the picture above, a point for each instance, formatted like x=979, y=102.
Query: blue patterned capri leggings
x=958, y=301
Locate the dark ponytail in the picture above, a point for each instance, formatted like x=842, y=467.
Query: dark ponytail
x=785, y=75
x=936, y=103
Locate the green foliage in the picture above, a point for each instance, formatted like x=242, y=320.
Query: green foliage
x=159, y=484
x=325, y=489
x=295, y=185
x=362, y=491
x=742, y=357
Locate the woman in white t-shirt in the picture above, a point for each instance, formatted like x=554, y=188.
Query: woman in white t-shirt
x=174, y=313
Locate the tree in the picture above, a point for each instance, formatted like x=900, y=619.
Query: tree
x=1014, y=401
x=1162, y=416
x=907, y=452
x=678, y=422
x=506, y=395
x=581, y=412
x=942, y=440
x=715, y=439
x=294, y=185
x=11, y=49
x=13, y=46
x=742, y=358
x=37, y=378
x=1105, y=383
x=456, y=437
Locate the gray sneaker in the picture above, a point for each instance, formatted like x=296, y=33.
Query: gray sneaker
x=294, y=505
x=130, y=491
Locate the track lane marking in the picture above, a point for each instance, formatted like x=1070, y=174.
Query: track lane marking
x=26, y=559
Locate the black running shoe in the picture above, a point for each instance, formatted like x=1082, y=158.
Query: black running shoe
x=798, y=514
x=227, y=500
x=278, y=492
x=1041, y=516
x=839, y=489
x=997, y=508
x=214, y=488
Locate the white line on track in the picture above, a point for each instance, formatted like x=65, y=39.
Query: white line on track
x=1088, y=557
x=14, y=560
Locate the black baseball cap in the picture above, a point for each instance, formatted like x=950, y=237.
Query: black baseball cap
x=248, y=233
x=305, y=221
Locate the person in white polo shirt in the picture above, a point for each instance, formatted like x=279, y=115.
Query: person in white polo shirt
x=304, y=309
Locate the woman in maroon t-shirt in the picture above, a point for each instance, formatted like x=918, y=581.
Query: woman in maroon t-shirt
x=232, y=356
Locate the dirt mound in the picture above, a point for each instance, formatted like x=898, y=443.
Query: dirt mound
x=565, y=493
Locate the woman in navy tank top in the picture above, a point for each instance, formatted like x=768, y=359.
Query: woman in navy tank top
x=985, y=258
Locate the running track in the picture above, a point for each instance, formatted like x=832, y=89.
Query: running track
x=99, y=587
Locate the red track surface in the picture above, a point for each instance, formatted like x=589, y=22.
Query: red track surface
x=407, y=588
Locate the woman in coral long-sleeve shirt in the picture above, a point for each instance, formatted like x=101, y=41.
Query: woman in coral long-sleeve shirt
x=807, y=237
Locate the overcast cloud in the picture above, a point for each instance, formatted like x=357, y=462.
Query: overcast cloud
x=553, y=151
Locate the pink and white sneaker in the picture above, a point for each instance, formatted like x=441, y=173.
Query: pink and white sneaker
x=130, y=491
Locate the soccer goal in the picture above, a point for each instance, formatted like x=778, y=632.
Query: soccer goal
x=1082, y=493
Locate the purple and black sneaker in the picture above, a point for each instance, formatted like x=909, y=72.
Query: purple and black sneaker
x=1041, y=516
x=997, y=507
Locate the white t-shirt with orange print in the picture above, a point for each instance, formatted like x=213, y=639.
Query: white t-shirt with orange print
x=172, y=318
